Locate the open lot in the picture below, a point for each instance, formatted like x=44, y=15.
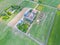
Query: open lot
x=17, y=18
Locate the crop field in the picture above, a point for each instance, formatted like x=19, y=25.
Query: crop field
x=8, y=3
x=54, y=37
x=10, y=37
x=28, y=4
x=45, y=30
x=3, y=30
x=53, y=3
x=41, y=31
x=1, y=0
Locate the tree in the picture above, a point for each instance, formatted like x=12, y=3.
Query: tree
x=40, y=1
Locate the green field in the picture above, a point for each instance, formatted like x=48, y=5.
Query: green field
x=3, y=30
x=28, y=4
x=8, y=37
x=7, y=3
x=53, y=3
x=41, y=31
x=47, y=31
x=19, y=39
x=1, y=0
x=55, y=34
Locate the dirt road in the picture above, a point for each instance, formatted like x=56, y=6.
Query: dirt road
x=17, y=18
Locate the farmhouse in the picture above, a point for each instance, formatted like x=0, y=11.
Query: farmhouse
x=30, y=15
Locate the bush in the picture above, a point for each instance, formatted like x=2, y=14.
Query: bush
x=5, y=17
x=23, y=27
x=15, y=7
x=9, y=13
x=39, y=1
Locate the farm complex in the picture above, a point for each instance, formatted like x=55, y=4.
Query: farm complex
x=29, y=22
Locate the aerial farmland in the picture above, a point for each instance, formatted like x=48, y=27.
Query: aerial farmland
x=29, y=22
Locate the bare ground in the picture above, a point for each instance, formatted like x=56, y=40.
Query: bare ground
x=17, y=18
